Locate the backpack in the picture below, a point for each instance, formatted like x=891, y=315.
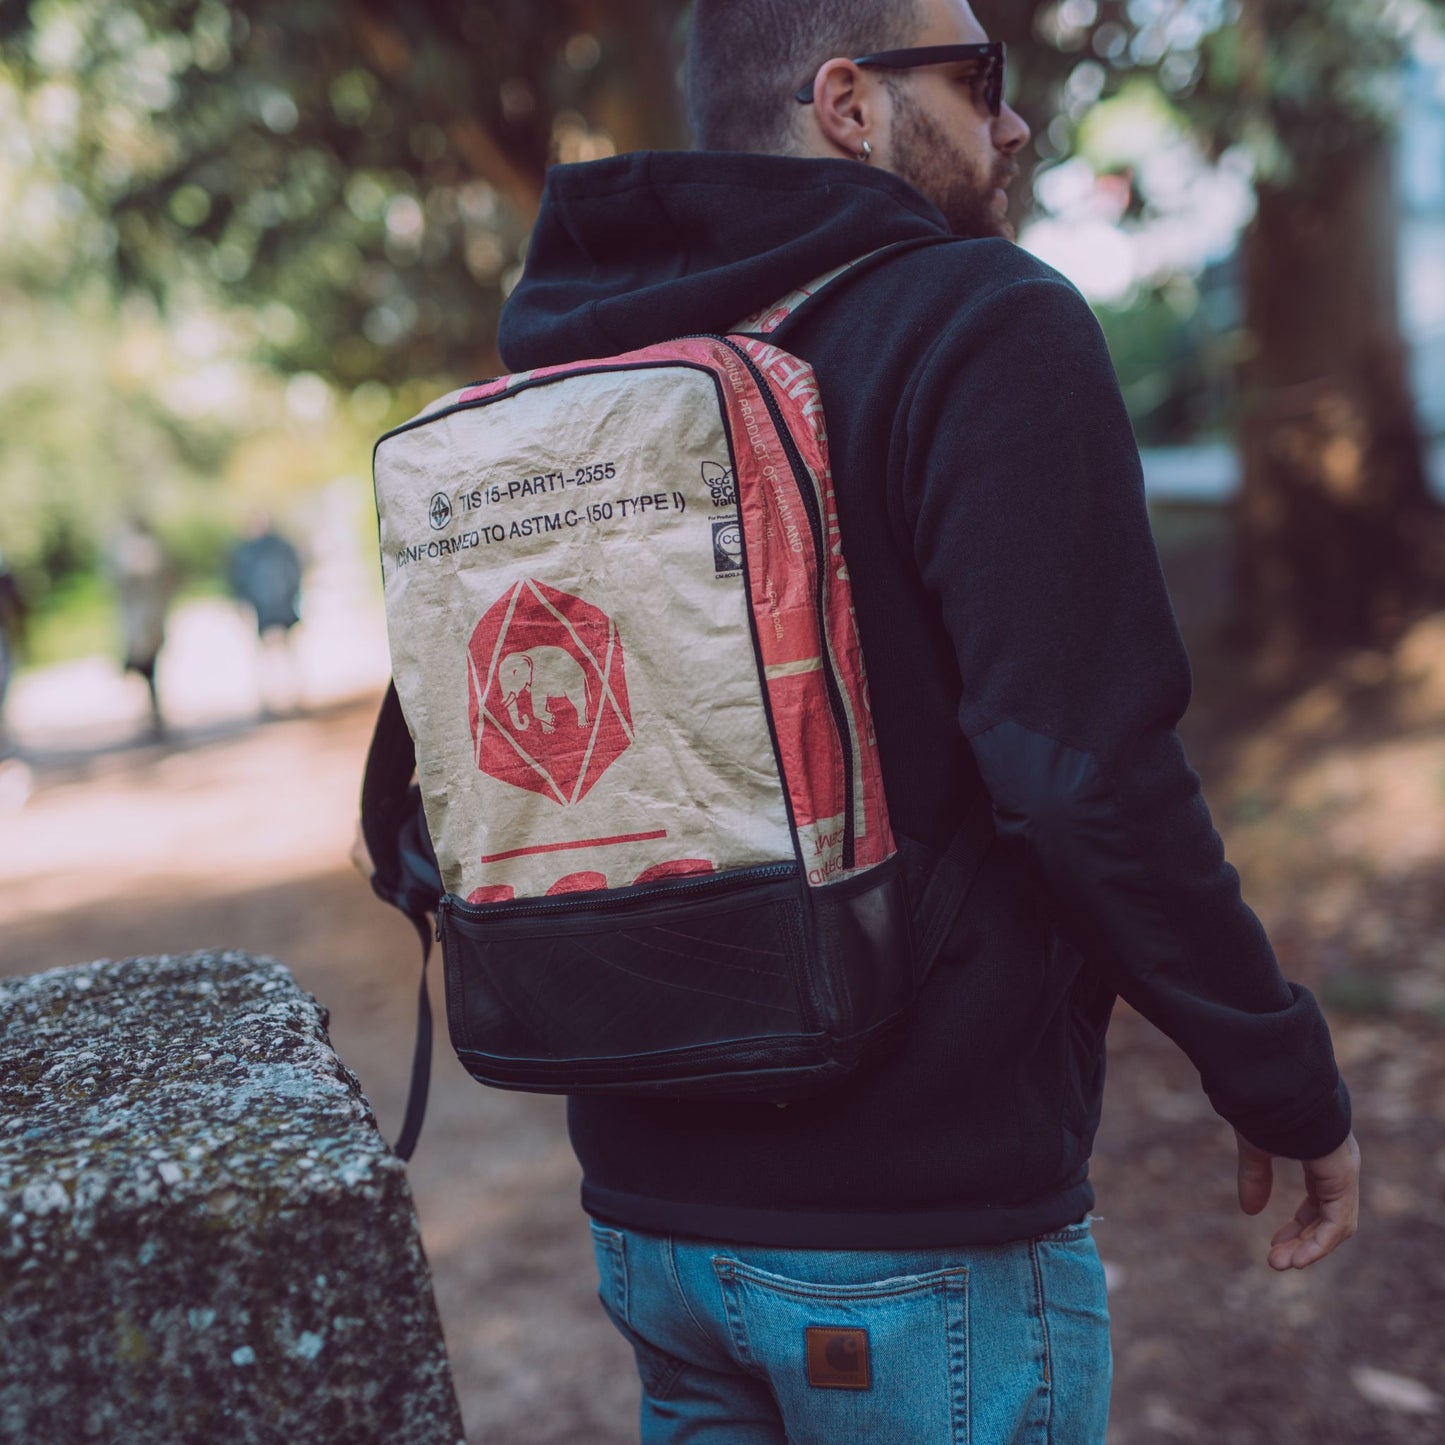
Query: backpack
x=627, y=673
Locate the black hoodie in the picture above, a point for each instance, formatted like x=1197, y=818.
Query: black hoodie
x=1018, y=640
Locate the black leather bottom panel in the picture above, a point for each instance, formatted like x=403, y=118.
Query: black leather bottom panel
x=716, y=989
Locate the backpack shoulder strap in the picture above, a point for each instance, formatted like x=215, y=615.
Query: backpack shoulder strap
x=937, y=882
x=772, y=318
x=404, y=875
x=405, y=872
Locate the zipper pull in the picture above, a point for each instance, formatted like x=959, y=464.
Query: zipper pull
x=441, y=919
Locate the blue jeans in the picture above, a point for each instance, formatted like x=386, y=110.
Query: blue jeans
x=982, y=1345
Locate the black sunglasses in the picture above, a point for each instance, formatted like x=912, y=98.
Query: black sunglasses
x=990, y=53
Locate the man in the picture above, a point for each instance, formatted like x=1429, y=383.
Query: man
x=908, y=1258
x=143, y=575
x=264, y=571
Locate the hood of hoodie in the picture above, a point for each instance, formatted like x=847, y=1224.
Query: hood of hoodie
x=643, y=247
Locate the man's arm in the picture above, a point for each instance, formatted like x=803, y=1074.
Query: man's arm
x=1327, y=1216
x=1026, y=502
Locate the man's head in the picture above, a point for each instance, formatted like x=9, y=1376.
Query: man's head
x=930, y=124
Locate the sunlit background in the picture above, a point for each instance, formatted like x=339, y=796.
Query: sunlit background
x=240, y=240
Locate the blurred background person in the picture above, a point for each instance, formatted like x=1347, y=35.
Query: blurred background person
x=144, y=578
x=265, y=573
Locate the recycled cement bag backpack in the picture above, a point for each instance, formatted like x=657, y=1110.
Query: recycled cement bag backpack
x=625, y=651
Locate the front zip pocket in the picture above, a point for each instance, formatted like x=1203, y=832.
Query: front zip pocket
x=646, y=984
x=710, y=885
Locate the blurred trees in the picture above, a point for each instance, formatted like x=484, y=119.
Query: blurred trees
x=362, y=174
x=1338, y=540
x=196, y=191
x=1337, y=531
x=355, y=181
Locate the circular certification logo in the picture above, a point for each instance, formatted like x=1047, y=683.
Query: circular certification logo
x=439, y=512
x=727, y=547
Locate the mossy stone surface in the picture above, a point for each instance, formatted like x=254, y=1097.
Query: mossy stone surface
x=203, y=1235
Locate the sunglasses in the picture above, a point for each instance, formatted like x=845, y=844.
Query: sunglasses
x=991, y=54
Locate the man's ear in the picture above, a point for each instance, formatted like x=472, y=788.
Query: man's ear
x=844, y=109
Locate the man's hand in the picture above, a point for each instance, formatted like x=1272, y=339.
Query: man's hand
x=1329, y=1213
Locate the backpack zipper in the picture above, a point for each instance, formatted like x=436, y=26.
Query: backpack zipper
x=804, y=484
x=613, y=898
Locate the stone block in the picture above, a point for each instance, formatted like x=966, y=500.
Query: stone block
x=203, y=1236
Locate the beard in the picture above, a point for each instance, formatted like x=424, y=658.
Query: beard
x=925, y=157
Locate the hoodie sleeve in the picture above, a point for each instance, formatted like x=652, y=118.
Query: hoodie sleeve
x=1025, y=499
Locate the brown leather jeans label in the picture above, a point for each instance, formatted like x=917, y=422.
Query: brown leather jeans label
x=837, y=1358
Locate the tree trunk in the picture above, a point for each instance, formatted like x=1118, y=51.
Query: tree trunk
x=1335, y=518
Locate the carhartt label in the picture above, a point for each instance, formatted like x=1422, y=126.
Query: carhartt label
x=837, y=1358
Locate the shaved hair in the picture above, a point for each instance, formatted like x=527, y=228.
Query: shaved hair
x=746, y=58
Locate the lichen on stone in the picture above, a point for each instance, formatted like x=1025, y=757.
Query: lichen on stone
x=192, y=1192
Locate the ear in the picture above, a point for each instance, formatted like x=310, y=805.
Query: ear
x=846, y=102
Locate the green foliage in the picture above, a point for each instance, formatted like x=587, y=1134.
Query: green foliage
x=1286, y=94
x=1174, y=371
x=1298, y=82
x=200, y=194
x=109, y=411
x=74, y=618
x=84, y=441
x=342, y=190
x=361, y=175
x=1123, y=131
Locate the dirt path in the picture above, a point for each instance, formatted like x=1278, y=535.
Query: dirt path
x=241, y=838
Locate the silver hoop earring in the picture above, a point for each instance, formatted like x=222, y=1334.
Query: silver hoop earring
x=867, y=152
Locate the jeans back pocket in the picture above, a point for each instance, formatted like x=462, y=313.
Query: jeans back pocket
x=883, y=1359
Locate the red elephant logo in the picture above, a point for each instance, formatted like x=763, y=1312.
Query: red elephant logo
x=543, y=656
x=542, y=673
